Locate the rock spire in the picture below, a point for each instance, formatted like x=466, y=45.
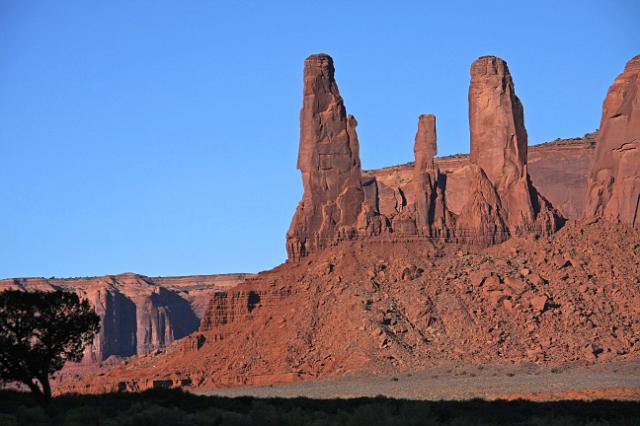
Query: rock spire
x=614, y=183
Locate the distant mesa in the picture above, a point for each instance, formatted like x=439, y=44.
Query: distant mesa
x=139, y=314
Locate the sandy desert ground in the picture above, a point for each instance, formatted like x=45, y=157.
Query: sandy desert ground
x=619, y=380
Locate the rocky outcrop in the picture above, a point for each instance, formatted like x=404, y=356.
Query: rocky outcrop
x=496, y=123
x=482, y=220
x=558, y=169
x=329, y=162
x=404, y=304
x=338, y=204
x=432, y=218
x=614, y=183
x=499, y=149
x=400, y=306
x=138, y=314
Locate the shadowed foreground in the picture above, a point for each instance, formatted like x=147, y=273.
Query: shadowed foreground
x=177, y=408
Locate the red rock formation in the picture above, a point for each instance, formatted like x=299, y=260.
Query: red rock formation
x=558, y=169
x=499, y=148
x=432, y=218
x=138, y=314
x=399, y=304
x=482, y=220
x=614, y=184
x=329, y=162
x=425, y=175
x=394, y=307
x=496, y=122
x=339, y=205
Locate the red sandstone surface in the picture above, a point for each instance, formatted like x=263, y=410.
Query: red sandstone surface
x=505, y=255
x=614, y=183
x=397, y=306
x=559, y=169
x=138, y=314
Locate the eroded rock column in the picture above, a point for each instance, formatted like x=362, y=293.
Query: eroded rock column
x=614, y=183
x=499, y=152
x=329, y=162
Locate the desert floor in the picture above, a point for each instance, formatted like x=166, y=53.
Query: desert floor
x=619, y=380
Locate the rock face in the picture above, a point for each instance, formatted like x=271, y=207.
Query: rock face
x=329, y=162
x=559, y=169
x=402, y=306
x=138, y=314
x=614, y=183
x=338, y=204
x=496, y=122
x=432, y=217
x=499, y=149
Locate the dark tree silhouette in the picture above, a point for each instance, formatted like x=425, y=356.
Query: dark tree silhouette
x=39, y=332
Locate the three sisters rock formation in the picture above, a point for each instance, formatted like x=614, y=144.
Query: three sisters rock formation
x=376, y=294
x=339, y=203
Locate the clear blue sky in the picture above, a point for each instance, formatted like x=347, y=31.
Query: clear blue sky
x=161, y=137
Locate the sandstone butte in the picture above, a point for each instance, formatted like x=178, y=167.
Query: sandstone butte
x=138, y=314
x=509, y=254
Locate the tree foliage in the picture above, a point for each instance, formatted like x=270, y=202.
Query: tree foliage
x=39, y=332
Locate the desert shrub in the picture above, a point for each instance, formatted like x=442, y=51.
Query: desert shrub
x=83, y=416
x=32, y=416
x=143, y=414
x=8, y=420
x=173, y=408
x=217, y=417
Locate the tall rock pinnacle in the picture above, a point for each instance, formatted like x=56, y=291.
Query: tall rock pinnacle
x=614, y=184
x=431, y=214
x=329, y=162
x=424, y=177
x=425, y=148
x=496, y=122
x=499, y=150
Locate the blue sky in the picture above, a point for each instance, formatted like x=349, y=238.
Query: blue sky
x=160, y=137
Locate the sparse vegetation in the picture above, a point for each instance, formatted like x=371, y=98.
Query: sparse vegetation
x=175, y=408
x=39, y=332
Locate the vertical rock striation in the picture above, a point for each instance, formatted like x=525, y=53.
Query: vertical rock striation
x=338, y=204
x=496, y=122
x=499, y=154
x=431, y=215
x=329, y=162
x=138, y=314
x=614, y=183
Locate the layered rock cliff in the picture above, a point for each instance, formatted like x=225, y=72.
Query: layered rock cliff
x=558, y=169
x=138, y=314
x=614, y=182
